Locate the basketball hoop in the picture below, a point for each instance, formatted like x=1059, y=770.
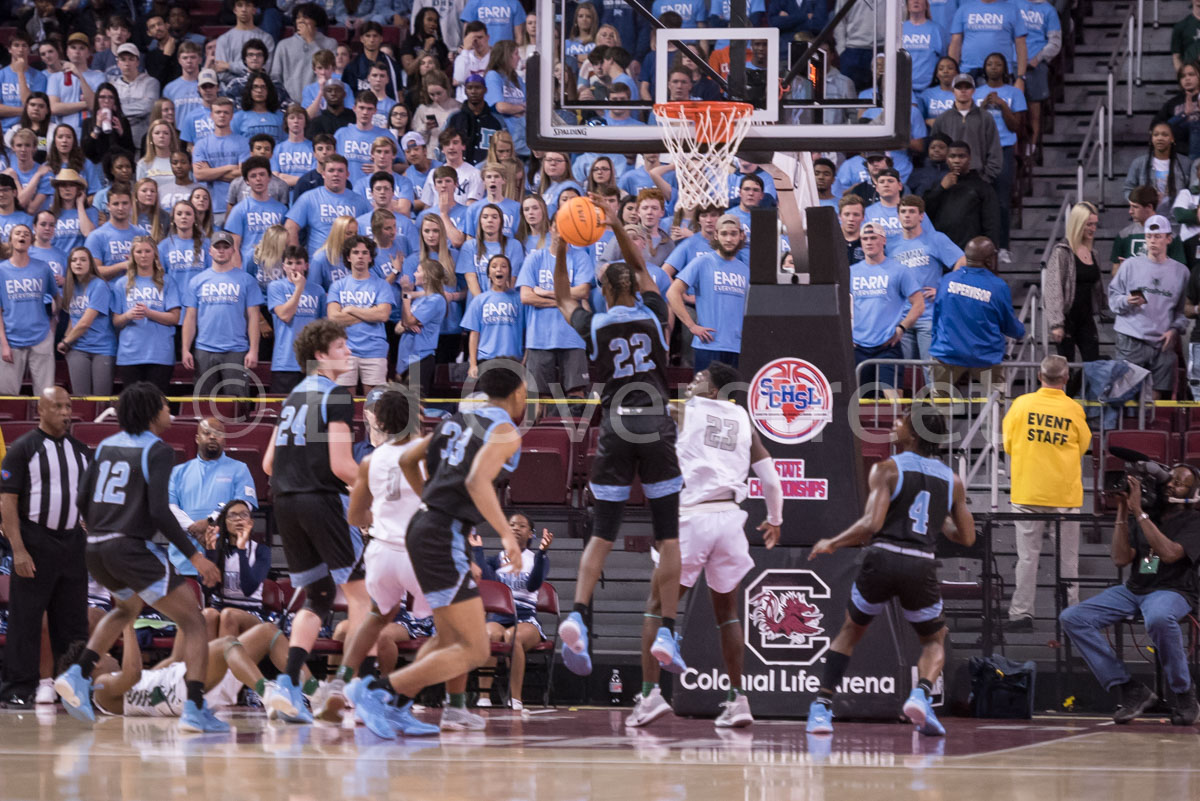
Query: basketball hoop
x=702, y=138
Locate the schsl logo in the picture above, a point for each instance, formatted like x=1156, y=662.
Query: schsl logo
x=790, y=401
x=784, y=619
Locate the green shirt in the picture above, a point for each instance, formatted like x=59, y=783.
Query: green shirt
x=1132, y=242
x=1185, y=38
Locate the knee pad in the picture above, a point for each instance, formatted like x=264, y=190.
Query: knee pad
x=664, y=514
x=606, y=521
x=319, y=597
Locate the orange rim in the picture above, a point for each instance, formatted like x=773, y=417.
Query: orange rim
x=722, y=113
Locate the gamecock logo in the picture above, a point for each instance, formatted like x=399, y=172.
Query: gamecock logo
x=790, y=401
x=784, y=618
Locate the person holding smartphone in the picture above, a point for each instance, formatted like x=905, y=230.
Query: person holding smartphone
x=1148, y=296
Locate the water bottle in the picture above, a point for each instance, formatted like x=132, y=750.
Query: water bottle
x=615, y=688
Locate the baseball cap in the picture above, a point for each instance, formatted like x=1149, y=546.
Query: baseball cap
x=876, y=156
x=476, y=78
x=872, y=228
x=729, y=218
x=412, y=139
x=79, y=38
x=129, y=48
x=207, y=77
x=7, y=182
x=892, y=171
x=962, y=78
x=1157, y=225
x=222, y=237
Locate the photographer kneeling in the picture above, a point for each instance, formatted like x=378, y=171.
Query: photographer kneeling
x=1163, y=548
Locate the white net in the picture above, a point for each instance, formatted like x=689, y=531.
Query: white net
x=702, y=139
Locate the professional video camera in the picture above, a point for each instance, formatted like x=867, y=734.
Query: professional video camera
x=1152, y=475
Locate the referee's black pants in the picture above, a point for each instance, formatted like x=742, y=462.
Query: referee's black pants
x=58, y=589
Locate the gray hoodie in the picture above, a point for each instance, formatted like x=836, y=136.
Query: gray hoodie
x=1164, y=285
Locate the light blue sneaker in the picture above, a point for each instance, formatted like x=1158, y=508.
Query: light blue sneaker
x=918, y=709
x=76, y=694
x=402, y=718
x=284, y=681
x=574, y=635
x=666, y=650
x=820, y=719
x=200, y=719
x=370, y=709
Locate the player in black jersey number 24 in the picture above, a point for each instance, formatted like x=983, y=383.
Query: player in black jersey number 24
x=912, y=497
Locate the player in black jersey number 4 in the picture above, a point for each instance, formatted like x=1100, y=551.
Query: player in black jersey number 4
x=636, y=435
x=124, y=500
x=913, y=496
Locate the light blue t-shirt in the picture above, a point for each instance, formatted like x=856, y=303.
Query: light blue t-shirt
x=316, y=210
x=500, y=89
x=366, y=340
x=987, y=28
x=66, y=228
x=194, y=125
x=10, y=221
x=23, y=294
x=185, y=95
x=1040, y=18
x=402, y=189
x=355, y=145
x=310, y=92
x=408, y=238
x=56, y=87
x=546, y=329
x=935, y=100
x=220, y=151
x=720, y=287
x=311, y=307
x=57, y=259
x=249, y=123
x=942, y=12
x=222, y=301
x=458, y=216
x=110, y=244
x=100, y=337
x=293, y=158
x=926, y=43
x=693, y=246
x=429, y=311
x=500, y=17
x=499, y=317
x=879, y=293
x=324, y=272
x=927, y=256
x=691, y=11
x=144, y=341
x=469, y=260
x=199, y=487
x=179, y=259
x=10, y=90
x=1015, y=99
x=889, y=218
x=25, y=176
x=250, y=220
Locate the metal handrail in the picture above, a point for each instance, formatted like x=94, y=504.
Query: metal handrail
x=1057, y=231
x=1032, y=316
x=1126, y=53
x=1092, y=148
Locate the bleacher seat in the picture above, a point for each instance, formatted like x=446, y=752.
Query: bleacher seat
x=1191, y=447
x=497, y=599
x=213, y=31
x=15, y=429
x=92, y=434
x=14, y=409
x=543, y=474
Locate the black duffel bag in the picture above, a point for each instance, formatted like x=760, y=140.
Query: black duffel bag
x=1001, y=688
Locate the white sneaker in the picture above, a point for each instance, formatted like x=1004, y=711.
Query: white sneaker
x=276, y=701
x=45, y=692
x=455, y=719
x=484, y=701
x=516, y=705
x=648, y=709
x=329, y=700
x=735, y=713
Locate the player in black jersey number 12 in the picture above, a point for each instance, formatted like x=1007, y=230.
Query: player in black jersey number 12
x=912, y=497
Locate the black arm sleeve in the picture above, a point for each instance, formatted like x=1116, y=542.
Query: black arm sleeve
x=581, y=321
x=655, y=303
x=160, y=462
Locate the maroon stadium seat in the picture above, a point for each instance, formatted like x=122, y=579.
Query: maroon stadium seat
x=15, y=409
x=543, y=653
x=543, y=474
x=91, y=434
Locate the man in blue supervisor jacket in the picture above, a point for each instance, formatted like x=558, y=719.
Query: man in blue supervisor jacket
x=972, y=317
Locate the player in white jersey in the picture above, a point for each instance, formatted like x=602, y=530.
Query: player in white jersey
x=160, y=692
x=717, y=447
x=383, y=501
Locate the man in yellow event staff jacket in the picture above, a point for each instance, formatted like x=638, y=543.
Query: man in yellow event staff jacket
x=1045, y=435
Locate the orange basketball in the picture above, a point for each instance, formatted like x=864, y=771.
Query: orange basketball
x=580, y=222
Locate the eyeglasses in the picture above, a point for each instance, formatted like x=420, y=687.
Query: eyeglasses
x=238, y=516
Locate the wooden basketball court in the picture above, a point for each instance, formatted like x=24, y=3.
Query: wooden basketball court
x=564, y=755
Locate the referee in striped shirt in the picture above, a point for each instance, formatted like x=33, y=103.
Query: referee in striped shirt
x=39, y=481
